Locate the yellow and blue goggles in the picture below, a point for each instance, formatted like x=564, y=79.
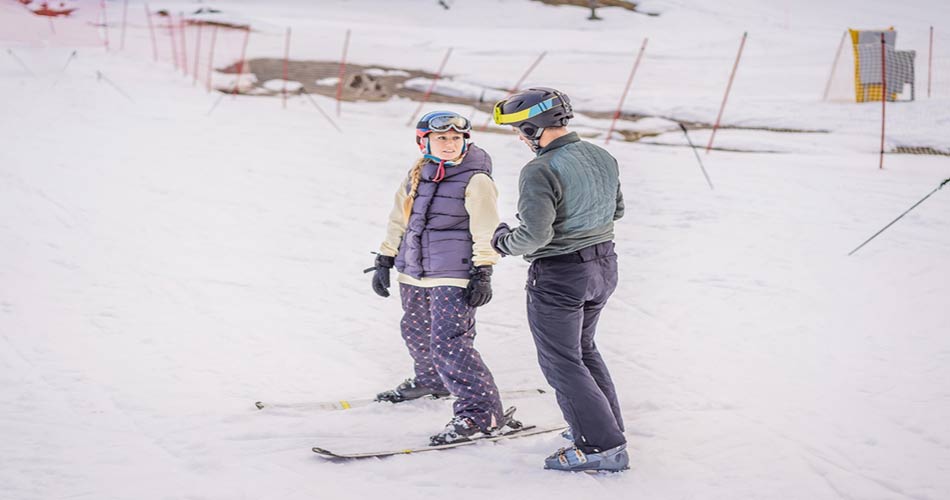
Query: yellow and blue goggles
x=518, y=116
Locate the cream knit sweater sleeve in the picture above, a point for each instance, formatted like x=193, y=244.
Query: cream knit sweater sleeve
x=481, y=203
x=396, y=227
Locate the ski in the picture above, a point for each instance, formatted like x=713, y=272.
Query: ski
x=528, y=430
x=349, y=404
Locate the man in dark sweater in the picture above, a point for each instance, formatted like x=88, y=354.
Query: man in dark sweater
x=568, y=199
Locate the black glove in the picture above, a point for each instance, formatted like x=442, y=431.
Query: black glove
x=500, y=232
x=479, y=287
x=381, y=268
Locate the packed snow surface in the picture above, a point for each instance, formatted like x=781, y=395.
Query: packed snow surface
x=168, y=257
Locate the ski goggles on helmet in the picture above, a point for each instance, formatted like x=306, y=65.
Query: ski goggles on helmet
x=444, y=123
x=525, y=114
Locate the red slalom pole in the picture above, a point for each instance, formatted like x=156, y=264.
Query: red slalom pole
x=339, y=85
x=197, y=55
x=883, y=96
x=726, y=97
x=237, y=82
x=151, y=30
x=930, y=60
x=171, y=38
x=184, y=45
x=105, y=22
x=425, y=98
x=125, y=17
x=214, y=36
x=286, y=63
x=518, y=84
x=623, y=97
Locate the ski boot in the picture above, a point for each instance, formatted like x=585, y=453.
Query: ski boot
x=410, y=390
x=462, y=428
x=458, y=429
x=568, y=434
x=573, y=459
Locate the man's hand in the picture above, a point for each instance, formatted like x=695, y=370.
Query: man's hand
x=500, y=232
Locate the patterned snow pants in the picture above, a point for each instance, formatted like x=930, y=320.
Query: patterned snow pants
x=438, y=326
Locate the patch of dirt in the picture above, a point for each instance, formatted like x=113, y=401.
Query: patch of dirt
x=774, y=129
x=692, y=125
x=915, y=150
x=631, y=6
x=379, y=83
x=359, y=83
x=714, y=148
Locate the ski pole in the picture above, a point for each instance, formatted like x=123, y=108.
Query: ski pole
x=325, y=115
x=63, y=71
x=101, y=77
x=216, y=102
x=942, y=184
x=23, y=64
x=683, y=128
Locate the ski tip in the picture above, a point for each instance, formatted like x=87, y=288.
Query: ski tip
x=259, y=405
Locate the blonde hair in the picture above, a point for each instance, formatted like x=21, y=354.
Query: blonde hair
x=414, y=176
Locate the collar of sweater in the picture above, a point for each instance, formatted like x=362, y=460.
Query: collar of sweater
x=560, y=141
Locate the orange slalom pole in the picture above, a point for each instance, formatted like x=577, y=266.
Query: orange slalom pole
x=726, y=97
x=197, y=55
x=214, y=37
x=286, y=63
x=883, y=96
x=237, y=82
x=339, y=85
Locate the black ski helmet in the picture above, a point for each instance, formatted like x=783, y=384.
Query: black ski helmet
x=534, y=109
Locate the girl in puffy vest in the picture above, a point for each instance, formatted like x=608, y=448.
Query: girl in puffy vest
x=439, y=239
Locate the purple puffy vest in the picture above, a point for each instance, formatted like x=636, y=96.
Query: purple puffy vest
x=438, y=242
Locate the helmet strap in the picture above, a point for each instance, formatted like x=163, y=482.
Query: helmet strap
x=435, y=159
x=568, y=109
x=535, y=140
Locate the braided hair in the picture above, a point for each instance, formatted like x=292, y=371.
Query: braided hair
x=415, y=175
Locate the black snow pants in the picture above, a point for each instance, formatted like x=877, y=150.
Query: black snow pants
x=566, y=294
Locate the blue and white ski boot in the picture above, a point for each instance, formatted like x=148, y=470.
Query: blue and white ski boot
x=573, y=459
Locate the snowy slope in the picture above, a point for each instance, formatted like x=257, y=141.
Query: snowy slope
x=162, y=268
